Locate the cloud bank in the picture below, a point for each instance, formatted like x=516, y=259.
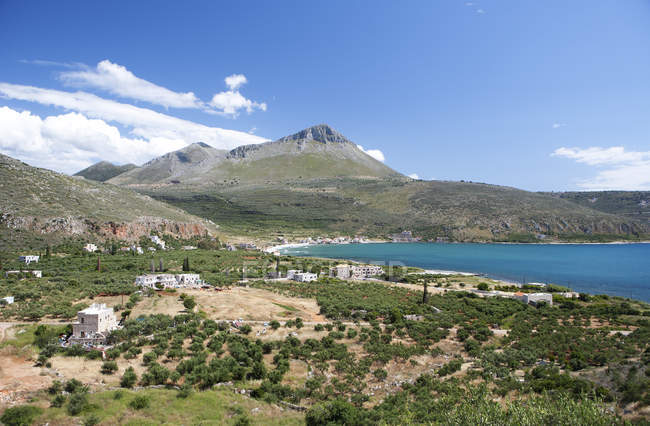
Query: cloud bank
x=618, y=169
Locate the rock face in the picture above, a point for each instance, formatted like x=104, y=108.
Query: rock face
x=43, y=202
x=316, y=152
x=77, y=226
x=321, y=133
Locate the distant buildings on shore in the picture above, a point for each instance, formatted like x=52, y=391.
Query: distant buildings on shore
x=404, y=237
x=160, y=281
x=345, y=271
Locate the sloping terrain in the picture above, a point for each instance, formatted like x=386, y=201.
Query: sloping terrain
x=317, y=181
x=103, y=171
x=42, y=202
x=631, y=204
x=316, y=152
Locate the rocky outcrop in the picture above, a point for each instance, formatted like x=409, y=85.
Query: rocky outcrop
x=75, y=226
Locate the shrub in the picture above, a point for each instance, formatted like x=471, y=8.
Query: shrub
x=139, y=402
x=58, y=401
x=319, y=327
x=23, y=415
x=78, y=402
x=245, y=329
x=109, y=367
x=91, y=420
x=274, y=324
x=129, y=378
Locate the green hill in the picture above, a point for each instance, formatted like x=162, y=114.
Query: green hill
x=39, y=204
x=104, y=170
x=631, y=204
x=317, y=152
x=317, y=181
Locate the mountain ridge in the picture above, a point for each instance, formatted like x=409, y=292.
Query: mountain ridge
x=40, y=204
x=103, y=171
x=317, y=181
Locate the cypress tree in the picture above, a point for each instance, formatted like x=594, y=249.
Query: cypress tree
x=152, y=267
x=160, y=265
x=425, y=295
x=99, y=264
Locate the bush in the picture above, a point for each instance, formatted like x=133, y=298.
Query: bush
x=245, y=329
x=274, y=324
x=139, y=402
x=319, y=327
x=78, y=402
x=109, y=367
x=23, y=415
x=58, y=401
x=129, y=378
x=91, y=420
x=333, y=413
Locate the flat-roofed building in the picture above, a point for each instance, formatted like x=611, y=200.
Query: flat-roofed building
x=305, y=277
x=29, y=259
x=535, y=298
x=93, y=325
x=341, y=271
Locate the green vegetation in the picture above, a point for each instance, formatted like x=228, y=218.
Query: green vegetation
x=104, y=170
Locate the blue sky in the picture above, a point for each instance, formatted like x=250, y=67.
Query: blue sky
x=550, y=95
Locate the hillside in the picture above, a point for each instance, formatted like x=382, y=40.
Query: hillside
x=316, y=152
x=41, y=203
x=104, y=170
x=631, y=204
x=317, y=181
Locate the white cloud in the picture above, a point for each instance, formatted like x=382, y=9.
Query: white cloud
x=620, y=169
x=480, y=11
x=142, y=122
x=374, y=153
x=558, y=125
x=117, y=80
x=230, y=102
x=70, y=142
x=235, y=81
x=414, y=176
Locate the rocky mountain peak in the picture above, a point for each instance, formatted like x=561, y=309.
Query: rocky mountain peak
x=322, y=133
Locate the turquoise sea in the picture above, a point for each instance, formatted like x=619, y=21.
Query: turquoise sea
x=613, y=269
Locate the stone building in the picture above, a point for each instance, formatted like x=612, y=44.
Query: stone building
x=93, y=325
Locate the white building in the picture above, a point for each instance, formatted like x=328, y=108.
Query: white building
x=305, y=277
x=157, y=241
x=168, y=281
x=28, y=259
x=189, y=247
x=341, y=271
x=291, y=273
x=37, y=274
x=93, y=325
x=90, y=248
x=344, y=271
x=365, y=271
x=535, y=298
x=8, y=300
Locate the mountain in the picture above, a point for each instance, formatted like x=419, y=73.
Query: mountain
x=39, y=205
x=631, y=204
x=316, y=152
x=104, y=170
x=318, y=182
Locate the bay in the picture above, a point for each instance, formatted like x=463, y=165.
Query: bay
x=612, y=269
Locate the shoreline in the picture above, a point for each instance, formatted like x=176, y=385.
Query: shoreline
x=508, y=279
